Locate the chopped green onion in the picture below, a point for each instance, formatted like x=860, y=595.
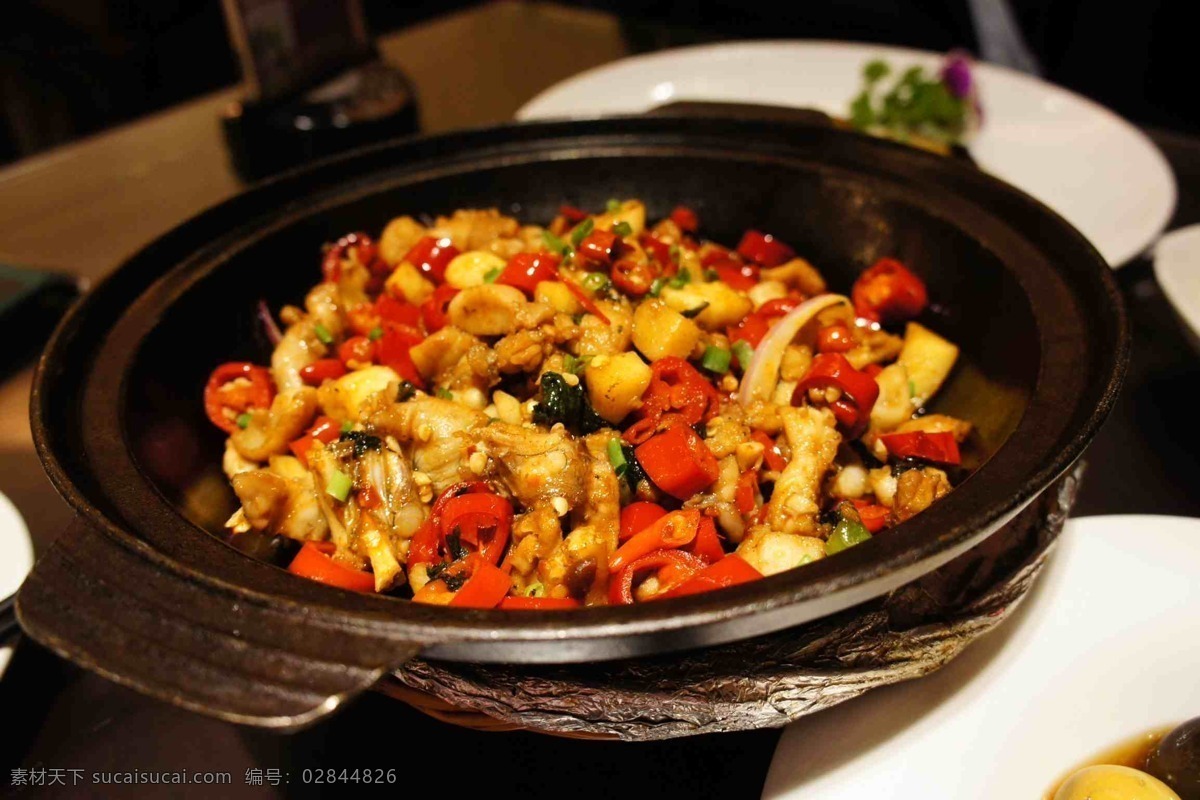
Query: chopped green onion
x=444, y=393
x=612, y=205
x=712, y=275
x=338, y=485
x=376, y=334
x=656, y=286
x=347, y=426
x=555, y=244
x=581, y=231
x=491, y=275
x=846, y=533
x=682, y=279
x=243, y=420
x=716, y=359
x=616, y=456
x=575, y=365
x=623, y=229
x=692, y=313
x=595, y=282
x=535, y=589
x=323, y=333
x=912, y=389
x=743, y=352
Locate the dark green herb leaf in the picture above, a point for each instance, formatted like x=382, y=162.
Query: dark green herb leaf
x=581, y=231
x=692, y=313
x=562, y=402
x=406, y=391
x=362, y=442
x=623, y=229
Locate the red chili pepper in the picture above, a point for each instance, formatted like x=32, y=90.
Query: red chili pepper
x=637, y=516
x=321, y=370
x=234, y=388
x=872, y=370
x=572, y=214
x=659, y=250
x=324, y=430
x=686, y=219
x=707, y=544
x=737, y=274
x=526, y=270
x=362, y=318
x=486, y=587
x=678, y=462
x=482, y=520
x=744, y=498
x=765, y=249
x=433, y=310
x=666, y=533
x=888, y=292
x=365, y=254
x=393, y=350
x=729, y=571
x=356, y=350
x=429, y=541
x=315, y=563
x=771, y=455
x=755, y=326
x=712, y=253
x=600, y=247
x=585, y=301
x=671, y=567
x=677, y=394
x=858, y=390
x=633, y=276
x=423, y=548
x=397, y=312
x=537, y=603
x=431, y=256
x=837, y=338
x=873, y=517
x=937, y=448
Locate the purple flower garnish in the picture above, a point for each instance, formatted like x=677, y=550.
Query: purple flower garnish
x=956, y=74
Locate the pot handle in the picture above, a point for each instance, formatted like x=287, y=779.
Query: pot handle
x=101, y=604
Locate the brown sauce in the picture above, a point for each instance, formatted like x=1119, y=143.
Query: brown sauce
x=1133, y=752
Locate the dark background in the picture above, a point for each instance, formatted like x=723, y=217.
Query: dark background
x=72, y=67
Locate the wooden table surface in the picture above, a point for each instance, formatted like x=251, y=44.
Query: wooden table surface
x=85, y=207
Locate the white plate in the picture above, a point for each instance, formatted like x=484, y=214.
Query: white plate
x=1177, y=269
x=1105, y=647
x=1101, y=173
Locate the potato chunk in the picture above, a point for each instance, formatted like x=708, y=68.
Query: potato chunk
x=660, y=331
x=616, y=384
x=928, y=359
x=720, y=305
x=488, y=310
x=471, y=268
x=343, y=398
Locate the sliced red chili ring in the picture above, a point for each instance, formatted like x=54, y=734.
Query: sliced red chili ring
x=234, y=388
x=858, y=391
x=671, y=567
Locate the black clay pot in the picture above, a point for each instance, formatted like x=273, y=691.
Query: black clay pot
x=146, y=589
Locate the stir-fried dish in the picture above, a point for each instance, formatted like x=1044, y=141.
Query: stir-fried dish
x=489, y=414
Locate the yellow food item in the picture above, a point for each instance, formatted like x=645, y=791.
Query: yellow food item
x=472, y=267
x=556, y=295
x=720, y=306
x=343, y=398
x=616, y=384
x=660, y=331
x=1107, y=782
x=928, y=359
x=398, y=238
x=407, y=283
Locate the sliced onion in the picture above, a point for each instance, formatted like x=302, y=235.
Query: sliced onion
x=270, y=327
x=763, y=372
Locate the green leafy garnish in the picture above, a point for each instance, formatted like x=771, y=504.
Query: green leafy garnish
x=575, y=365
x=444, y=393
x=491, y=275
x=656, y=286
x=562, y=402
x=535, y=589
x=616, y=457
x=716, y=359
x=912, y=389
x=243, y=420
x=362, y=442
x=743, y=352
x=580, y=232
x=376, y=334
x=634, y=474
x=914, y=105
x=692, y=313
x=347, y=426
x=612, y=205
x=338, y=485
x=622, y=229
x=323, y=333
